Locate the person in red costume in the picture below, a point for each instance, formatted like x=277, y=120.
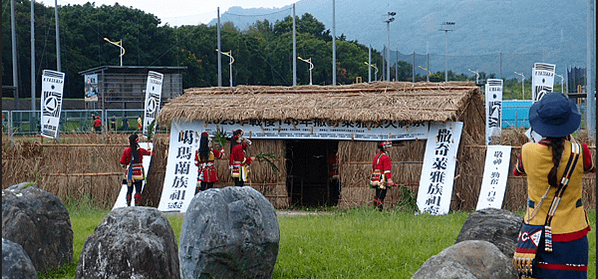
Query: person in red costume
x=381, y=176
x=553, y=241
x=132, y=160
x=238, y=160
x=204, y=160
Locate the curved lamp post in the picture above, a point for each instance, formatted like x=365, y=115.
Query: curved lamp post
x=230, y=64
x=311, y=66
x=429, y=73
x=388, y=21
x=522, y=85
x=477, y=76
x=120, y=45
x=562, y=81
x=373, y=66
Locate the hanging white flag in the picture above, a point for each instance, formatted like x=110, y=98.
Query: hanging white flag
x=153, y=97
x=542, y=80
x=438, y=170
x=181, y=172
x=494, y=89
x=51, y=103
x=496, y=172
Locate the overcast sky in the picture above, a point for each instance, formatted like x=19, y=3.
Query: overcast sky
x=179, y=12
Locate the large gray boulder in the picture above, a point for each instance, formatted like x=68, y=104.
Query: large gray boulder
x=472, y=259
x=229, y=233
x=131, y=242
x=15, y=262
x=498, y=226
x=39, y=222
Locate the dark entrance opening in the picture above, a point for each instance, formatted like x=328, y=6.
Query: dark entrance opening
x=308, y=179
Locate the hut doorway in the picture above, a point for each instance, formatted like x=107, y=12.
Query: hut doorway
x=308, y=173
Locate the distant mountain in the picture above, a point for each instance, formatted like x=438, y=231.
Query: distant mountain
x=491, y=36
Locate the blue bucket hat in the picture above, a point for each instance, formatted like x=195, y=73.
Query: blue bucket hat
x=554, y=116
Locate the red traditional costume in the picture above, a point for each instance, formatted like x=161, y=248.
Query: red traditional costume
x=239, y=162
x=135, y=173
x=207, y=171
x=135, y=168
x=381, y=177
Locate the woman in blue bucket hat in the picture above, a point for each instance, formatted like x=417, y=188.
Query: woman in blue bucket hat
x=553, y=240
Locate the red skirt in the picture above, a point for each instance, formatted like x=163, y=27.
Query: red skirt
x=208, y=174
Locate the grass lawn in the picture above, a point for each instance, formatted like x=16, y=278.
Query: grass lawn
x=358, y=243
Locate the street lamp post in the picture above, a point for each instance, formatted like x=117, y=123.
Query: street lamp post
x=230, y=65
x=477, y=76
x=522, y=85
x=311, y=66
x=373, y=66
x=120, y=45
x=445, y=28
x=562, y=81
x=428, y=73
x=388, y=21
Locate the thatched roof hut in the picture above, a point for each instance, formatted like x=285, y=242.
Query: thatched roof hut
x=367, y=103
x=411, y=102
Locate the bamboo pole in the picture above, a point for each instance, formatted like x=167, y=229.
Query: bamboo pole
x=87, y=174
x=84, y=145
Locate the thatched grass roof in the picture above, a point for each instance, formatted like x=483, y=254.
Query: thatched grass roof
x=366, y=102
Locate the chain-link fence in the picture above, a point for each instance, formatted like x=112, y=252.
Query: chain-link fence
x=500, y=65
x=27, y=122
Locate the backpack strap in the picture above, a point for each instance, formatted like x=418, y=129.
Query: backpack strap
x=558, y=195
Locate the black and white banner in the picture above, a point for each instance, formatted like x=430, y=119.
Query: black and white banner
x=438, y=170
x=496, y=172
x=181, y=172
x=494, y=89
x=153, y=97
x=542, y=80
x=51, y=103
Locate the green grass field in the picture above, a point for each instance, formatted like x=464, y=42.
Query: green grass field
x=358, y=243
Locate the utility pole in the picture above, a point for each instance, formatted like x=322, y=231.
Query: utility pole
x=591, y=71
x=294, y=49
x=32, y=56
x=446, y=29
x=333, y=43
x=13, y=27
x=58, y=64
x=219, y=56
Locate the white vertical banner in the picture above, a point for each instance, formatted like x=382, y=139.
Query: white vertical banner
x=438, y=170
x=494, y=88
x=181, y=173
x=542, y=83
x=153, y=97
x=542, y=80
x=51, y=103
x=496, y=172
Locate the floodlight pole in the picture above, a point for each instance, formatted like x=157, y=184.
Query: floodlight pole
x=388, y=21
x=446, y=29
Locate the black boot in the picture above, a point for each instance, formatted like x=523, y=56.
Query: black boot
x=128, y=200
x=380, y=205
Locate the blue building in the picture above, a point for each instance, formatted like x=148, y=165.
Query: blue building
x=515, y=113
